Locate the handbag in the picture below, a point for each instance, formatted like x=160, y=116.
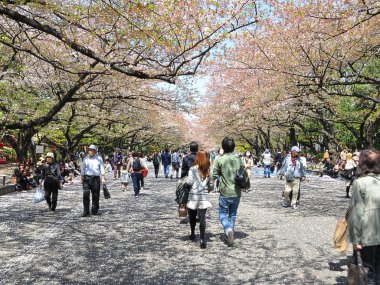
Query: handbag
x=106, y=192
x=182, y=211
x=357, y=273
x=340, y=237
x=39, y=196
x=144, y=172
x=182, y=191
x=242, y=178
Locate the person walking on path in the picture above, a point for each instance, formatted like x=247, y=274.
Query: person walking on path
x=187, y=163
x=176, y=164
x=134, y=166
x=349, y=171
x=143, y=158
x=201, y=184
x=267, y=157
x=226, y=168
x=91, y=176
x=118, y=163
x=156, y=162
x=166, y=161
x=364, y=214
x=293, y=171
x=51, y=181
x=188, y=160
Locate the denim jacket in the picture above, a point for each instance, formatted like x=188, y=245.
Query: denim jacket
x=287, y=168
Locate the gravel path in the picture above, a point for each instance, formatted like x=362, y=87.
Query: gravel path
x=140, y=241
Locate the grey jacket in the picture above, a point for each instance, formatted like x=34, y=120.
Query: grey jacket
x=287, y=168
x=364, y=211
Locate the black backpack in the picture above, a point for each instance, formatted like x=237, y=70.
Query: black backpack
x=136, y=164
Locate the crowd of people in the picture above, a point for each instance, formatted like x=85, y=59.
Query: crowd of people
x=206, y=172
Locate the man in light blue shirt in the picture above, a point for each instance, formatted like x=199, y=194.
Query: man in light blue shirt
x=91, y=176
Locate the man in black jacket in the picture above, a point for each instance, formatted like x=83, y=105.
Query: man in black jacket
x=189, y=159
x=188, y=162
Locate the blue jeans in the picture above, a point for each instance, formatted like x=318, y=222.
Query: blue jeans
x=227, y=211
x=136, y=177
x=166, y=170
x=267, y=170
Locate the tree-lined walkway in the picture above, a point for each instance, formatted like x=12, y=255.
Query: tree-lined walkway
x=140, y=241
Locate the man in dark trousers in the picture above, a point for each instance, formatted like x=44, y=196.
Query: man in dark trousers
x=91, y=176
x=51, y=180
x=188, y=162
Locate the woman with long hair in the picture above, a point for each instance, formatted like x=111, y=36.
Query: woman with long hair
x=201, y=184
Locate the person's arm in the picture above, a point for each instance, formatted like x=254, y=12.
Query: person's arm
x=190, y=177
x=185, y=167
x=83, y=171
x=355, y=217
x=102, y=172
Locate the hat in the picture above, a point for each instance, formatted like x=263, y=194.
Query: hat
x=93, y=147
x=50, y=154
x=295, y=148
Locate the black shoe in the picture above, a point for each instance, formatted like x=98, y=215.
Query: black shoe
x=203, y=244
x=348, y=196
x=192, y=237
x=96, y=214
x=171, y=176
x=85, y=214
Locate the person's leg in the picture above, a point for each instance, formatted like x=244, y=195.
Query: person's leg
x=295, y=188
x=156, y=168
x=287, y=191
x=86, y=197
x=232, y=212
x=172, y=172
x=135, y=182
x=223, y=214
x=119, y=170
x=142, y=181
x=368, y=254
x=202, y=223
x=193, y=221
x=54, y=200
x=95, y=191
x=114, y=171
x=47, y=196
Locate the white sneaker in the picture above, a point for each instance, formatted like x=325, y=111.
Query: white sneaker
x=295, y=207
x=142, y=189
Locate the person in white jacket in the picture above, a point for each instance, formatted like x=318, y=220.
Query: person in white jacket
x=201, y=183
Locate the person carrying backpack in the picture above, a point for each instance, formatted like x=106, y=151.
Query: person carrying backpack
x=176, y=163
x=51, y=177
x=134, y=166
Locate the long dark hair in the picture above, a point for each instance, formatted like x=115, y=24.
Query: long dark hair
x=203, y=162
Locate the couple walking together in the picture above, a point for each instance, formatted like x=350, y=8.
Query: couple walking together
x=200, y=180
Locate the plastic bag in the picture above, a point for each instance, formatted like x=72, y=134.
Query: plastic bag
x=39, y=196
